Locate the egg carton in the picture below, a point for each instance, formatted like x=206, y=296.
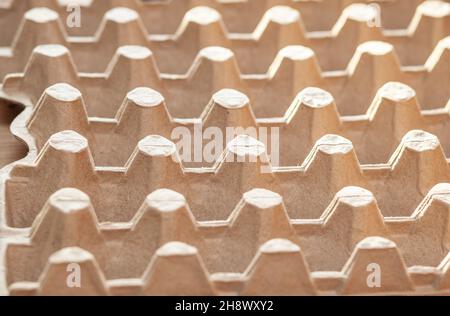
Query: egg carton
x=202, y=27
x=215, y=68
x=305, y=258
x=164, y=17
x=277, y=268
x=114, y=122
x=359, y=184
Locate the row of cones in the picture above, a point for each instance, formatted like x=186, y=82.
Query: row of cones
x=294, y=69
x=238, y=256
x=66, y=161
x=241, y=16
x=202, y=27
x=312, y=114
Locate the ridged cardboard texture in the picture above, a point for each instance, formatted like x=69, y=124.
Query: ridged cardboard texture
x=335, y=179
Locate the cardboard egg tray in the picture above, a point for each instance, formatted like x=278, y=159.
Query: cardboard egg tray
x=335, y=180
x=240, y=16
x=203, y=26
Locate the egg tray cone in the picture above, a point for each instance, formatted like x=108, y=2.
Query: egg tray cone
x=337, y=166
